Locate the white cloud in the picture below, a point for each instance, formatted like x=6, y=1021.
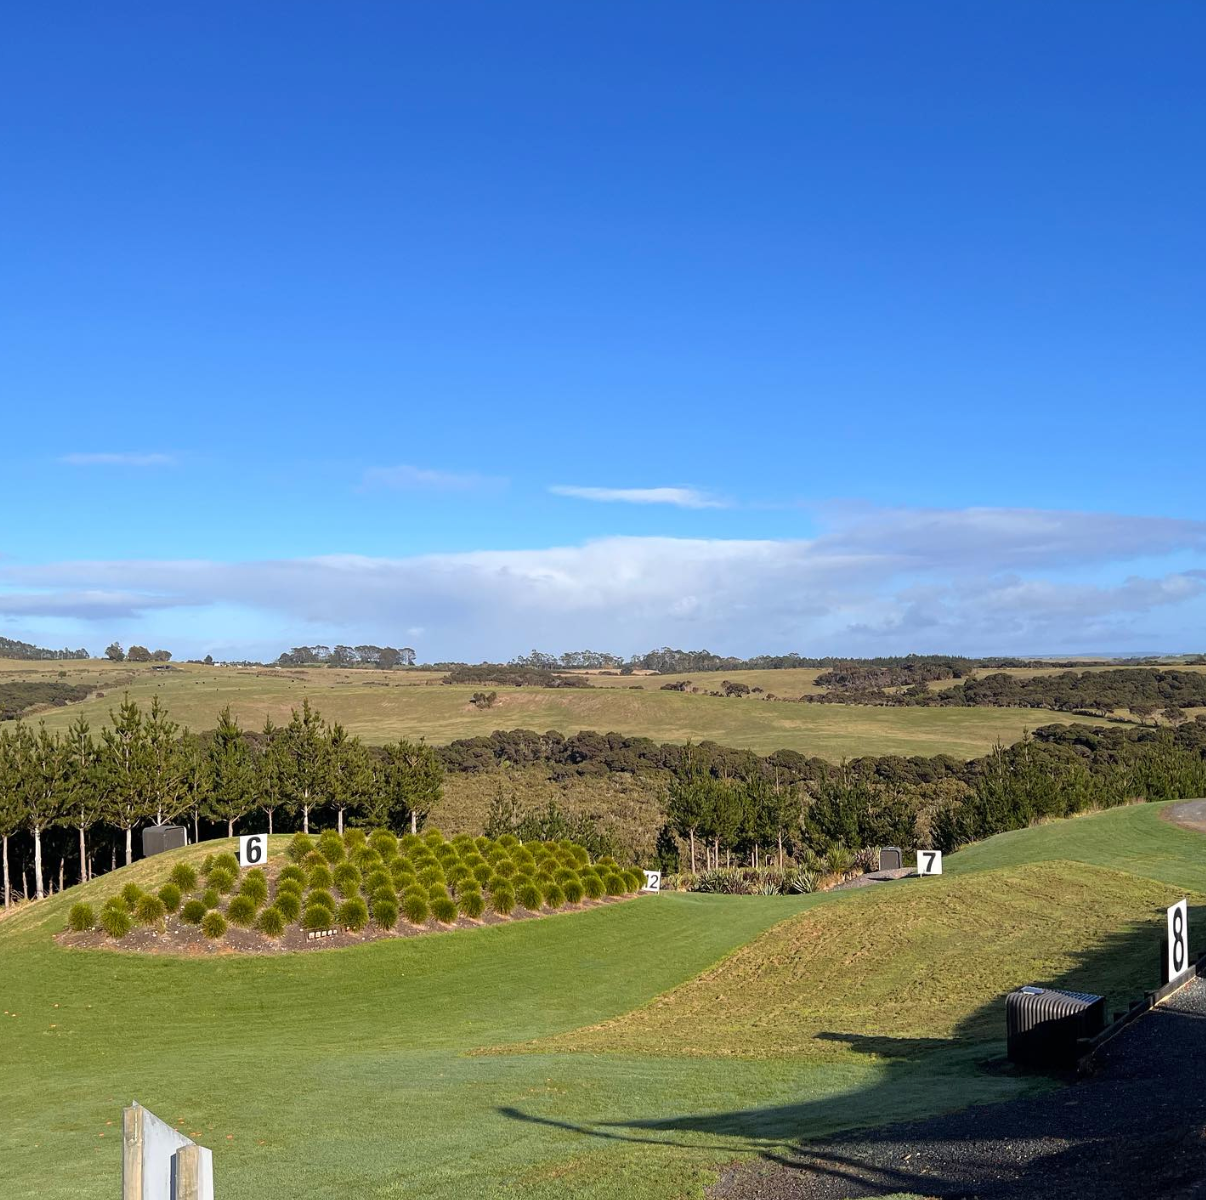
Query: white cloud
x=408, y=478
x=680, y=497
x=117, y=459
x=975, y=581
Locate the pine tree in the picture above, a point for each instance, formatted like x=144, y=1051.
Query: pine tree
x=126, y=763
x=232, y=775
x=12, y=802
x=83, y=808
x=269, y=772
x=166, y=795
x=44, y=774
x=410, y=786
x=347, y=772
x=301, y=762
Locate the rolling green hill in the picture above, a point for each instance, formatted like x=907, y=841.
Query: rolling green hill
x=469, y=1063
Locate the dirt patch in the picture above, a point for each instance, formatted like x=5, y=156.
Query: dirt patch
x=1189, y=814
x=176, y=937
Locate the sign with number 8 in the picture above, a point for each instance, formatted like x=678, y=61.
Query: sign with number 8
x=1178, y=939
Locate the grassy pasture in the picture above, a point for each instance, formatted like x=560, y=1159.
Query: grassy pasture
x=384, y=706
x=438, y=1067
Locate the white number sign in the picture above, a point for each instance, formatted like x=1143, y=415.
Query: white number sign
x=1178, y=939
x=929, y=862
x=253, y=849
x=653, y=881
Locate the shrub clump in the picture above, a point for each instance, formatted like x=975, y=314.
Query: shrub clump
x=271, y=922
x=255, y=885
x=317, y=916
x=614, y=884
x=184, y=877
x=444, y=909
x=354, y=839
x=330, y=846
x=131, y=894
x=150, y=910
x=227, y=862
x=573, y=890
x=211, y=897
x=385, y=843
x=241, y=911
x=554, y=897
x=115, y=922
x=192, y=912
x=81, y=918
x=292, y=871
x=354, y=914
x=213, y=924
x=321, y=897
x=222, y=879
x=385, y=913
x=472, y=904
x=416, y=908
x=529, y=896
x=170, y=895
x=299, y=847
x=321, y=877
x=502, y=901
x=347, y=880
x=288, y=904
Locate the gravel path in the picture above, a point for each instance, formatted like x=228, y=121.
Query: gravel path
x=1189, y=813
x=1135, y=1128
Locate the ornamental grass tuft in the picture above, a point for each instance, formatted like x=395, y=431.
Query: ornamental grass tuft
x=415, y=908
x=317, y=916
x=211, y=897
x=170, y=895
x=192, y=912
x=330, y=846
x=184, y=876
x=347, y=879
x=353, y=914
x=385, y=913
x=502, y=901
x=81, y=918
x=115, y=922
x=213, y=924
x=554, y=897
x=573, y=890
x=150, y=910
x=472, y=904
x=131, y=894
x=321, y=877
x=378, y=878
x=320, y=896
x=292, y=871
x=444, y=910
x=222, y=879
x=384, y=842
x=227, y=862
x=613, y=883
x=593, y=887
x=241, y=911
x=271, y=922
x=255, y=885
x=529, y=895
x=289, y=905
x=354, y=839
x=299, y=847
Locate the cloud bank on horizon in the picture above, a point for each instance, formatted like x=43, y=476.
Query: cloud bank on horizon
x=876, y=581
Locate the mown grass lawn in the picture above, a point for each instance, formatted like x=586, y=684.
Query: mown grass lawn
x=359, y=1072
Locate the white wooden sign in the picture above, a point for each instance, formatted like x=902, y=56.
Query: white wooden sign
x=929, y=862
x=253, y=849
x=653, y=881
x=1178, y=939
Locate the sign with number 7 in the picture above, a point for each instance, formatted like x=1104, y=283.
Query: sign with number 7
x=929, y=862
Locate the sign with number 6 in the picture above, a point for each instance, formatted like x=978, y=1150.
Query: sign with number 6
x=253, y=849
x=653, y=881
x=929, y=862
x=1178, y=939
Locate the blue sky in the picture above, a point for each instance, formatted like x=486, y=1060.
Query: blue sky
x=835, y=327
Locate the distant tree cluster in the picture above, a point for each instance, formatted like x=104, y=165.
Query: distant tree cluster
x=570, y=660
x=17, y=698
x=13, y=649
x=511, y=676
x=383, y=657
x=144, y=769
x=136, y=654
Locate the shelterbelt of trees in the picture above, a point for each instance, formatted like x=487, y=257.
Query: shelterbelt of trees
x=28, y=652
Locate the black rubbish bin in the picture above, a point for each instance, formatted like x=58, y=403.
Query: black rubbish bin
x=890, y=858
x=158, y=838
x=1044, y=1025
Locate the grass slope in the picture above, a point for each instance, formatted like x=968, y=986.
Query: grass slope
x=383, y=706
x=359, y=1072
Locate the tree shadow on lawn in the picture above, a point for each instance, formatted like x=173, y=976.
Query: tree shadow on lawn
x=1127, y=1124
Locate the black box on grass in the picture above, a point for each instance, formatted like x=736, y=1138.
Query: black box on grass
x=890, y=858
x=158, y=838
x=1044, y=1024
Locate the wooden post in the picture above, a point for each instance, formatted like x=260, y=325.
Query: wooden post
x=131, y=1153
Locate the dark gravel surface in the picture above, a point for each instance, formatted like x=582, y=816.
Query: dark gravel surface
x=1190, y=999
x=1136, y=1127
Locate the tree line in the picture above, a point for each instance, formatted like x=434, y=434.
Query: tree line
x=144, y=769
x=383, y=657
x=30, y=653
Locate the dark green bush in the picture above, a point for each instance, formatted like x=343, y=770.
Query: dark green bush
x=290, y=885
x=255, y=886
x=385, y=913
x=430, y=875
x=115, y=922
x=213, y=924
x=222, y=879
x=211, y=897
x=433, y=837
x=593, y=886
x=227, y=862
x=330, y=846
x=482, y=873
x=408, y=841
x=367, y=859
x=378, y=878
x=170, y=895
x=502, y=901
x=81, y=918
x=321, y=896
x=347, y=879
x=207, y=865
x=271, y=922
x=317, y=916
x=561, y=874
x=241, y=911
x=131, y=894
x=554, y=897
x=150, y=910
x=634, y=879
x=321, y=877
x=529, y=895
x=192, y=912
x=354, y=914
x=573, y=890
x=385, y=892
x=444, y=910
x=437, y=891
x=184, y=877
x=416, y=908
x=354, y=839
x=472, y=904
x=504, y=867
x=385, y=843
x=314, y=859
x=292, y=871
x=289, y=905
x=613, y=884
x=299, y=847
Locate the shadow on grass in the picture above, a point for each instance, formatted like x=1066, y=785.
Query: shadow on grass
x=1117, y=1126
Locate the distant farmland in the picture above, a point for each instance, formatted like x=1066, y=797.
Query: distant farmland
x=381, y=706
